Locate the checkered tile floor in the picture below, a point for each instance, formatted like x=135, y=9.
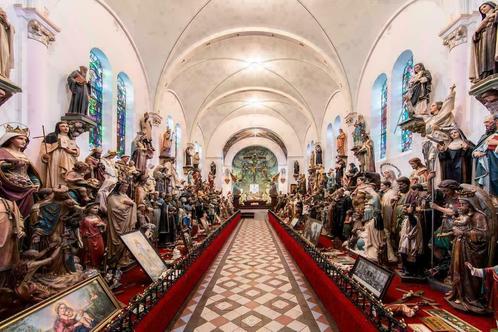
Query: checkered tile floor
x=253, y=285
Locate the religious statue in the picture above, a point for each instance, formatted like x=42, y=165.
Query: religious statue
x=166, y=144
x=470, y=244
x=6, y=45
x=301, y=184
x=196, y=160
x=341, y=143
x=146, y=127
x=167, y=222
x=312, y=162
x=91, y=229
x=296, y=169
x=80, y=91
x=441, y=117
x=18, y=177
x=58, y=153
x=122, y=218
x=139, y=151
x=366, y=154
x=358, y=131
x=486, y=157
x=11, y=233
x=455, y=157
x=189, y=153
x=411, y=243
x=318, y=155
x=93, y=160
x=80, y=188
x=110, y=179
x=483, y=62
x=420, y=173
x=212, y=168
x=419, y=89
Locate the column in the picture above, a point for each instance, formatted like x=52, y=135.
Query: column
x=38, y=35
x=457, y=37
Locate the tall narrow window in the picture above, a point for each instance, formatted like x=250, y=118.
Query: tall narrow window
x=178, y=141
x=406, y=135
x=121, y=116
x=96, y=100
x=383, y=120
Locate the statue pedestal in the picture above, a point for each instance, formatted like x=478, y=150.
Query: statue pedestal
x=79, y=123
x=7, y=89
x=486, y=92
x=415, y=125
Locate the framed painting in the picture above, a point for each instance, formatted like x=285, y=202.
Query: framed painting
x=372, y=276
x=145, y=254
x=87, y=306
x=313, y=230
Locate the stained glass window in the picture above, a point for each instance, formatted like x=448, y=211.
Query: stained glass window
x=383, y=120
x=95, y=102
x=178, y=140
x=169, y=123
x=121, y=120
x=406, y=135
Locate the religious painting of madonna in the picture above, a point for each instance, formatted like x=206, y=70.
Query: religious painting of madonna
x=87, y=306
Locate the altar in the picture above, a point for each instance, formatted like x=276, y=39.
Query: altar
x=255, y=204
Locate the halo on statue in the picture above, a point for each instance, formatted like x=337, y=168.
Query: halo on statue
x=388, y=166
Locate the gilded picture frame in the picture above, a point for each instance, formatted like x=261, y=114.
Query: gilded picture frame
x=375, y=278
x=89, y=305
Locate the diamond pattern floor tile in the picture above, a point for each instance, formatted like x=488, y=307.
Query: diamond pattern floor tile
x=253, y=285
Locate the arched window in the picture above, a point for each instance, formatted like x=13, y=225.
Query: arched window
x=402, y=72
x=383, y=120
x=329, y=149
x=178, y=151
x=96, y=97
x=379, y=115
x=169, y=123
x=121, y=118
x=406, y=135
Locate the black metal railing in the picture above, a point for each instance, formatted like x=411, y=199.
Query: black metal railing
x=371, y=307
x=141, y=304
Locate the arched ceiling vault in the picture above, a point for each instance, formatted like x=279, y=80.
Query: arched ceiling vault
x=228, y=60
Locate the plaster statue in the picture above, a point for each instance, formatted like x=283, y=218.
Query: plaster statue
x=341, y=143
x=366, y=154
x=455, y=157
x=318, y=155
x=166, y=144
x=470, y=244
x=196, y=160
x=189, y=153
x=212, y=168
x=91, y=229
x=58, y=152
x=483, y=62
x=122, y=217
x=19, y=179
x=146, y=126
x=80, y=91
x=486, y=156
x=419, y=90
x=296, y=168
x=358, y=131
x=6, y=45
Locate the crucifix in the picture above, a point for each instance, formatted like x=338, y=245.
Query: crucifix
x=254, y=164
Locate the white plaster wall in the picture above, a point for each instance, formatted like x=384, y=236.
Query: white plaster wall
x=84, y=25
x=337, y=106
x=416, y=28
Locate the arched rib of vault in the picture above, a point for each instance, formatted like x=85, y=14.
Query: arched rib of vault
x=229, y=128
x=243, y=92
x=244, y=103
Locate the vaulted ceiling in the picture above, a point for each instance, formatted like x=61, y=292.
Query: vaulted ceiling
x=227, y=60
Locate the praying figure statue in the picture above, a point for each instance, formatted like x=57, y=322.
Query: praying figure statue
x=419, y=89
x=483, y=62
x=6, y=45
x=80, y=91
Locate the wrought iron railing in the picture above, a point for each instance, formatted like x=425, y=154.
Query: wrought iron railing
x=371, y=307
x=141, y=304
